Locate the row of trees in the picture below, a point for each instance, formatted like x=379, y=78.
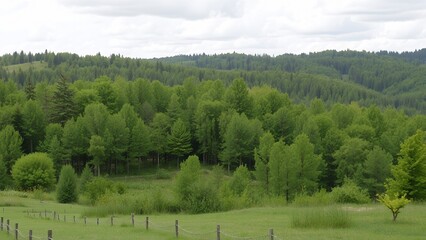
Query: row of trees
x=114, y=125
x=330, y=75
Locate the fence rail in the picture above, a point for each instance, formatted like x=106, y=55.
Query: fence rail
x=7, y=226
x=172, y=228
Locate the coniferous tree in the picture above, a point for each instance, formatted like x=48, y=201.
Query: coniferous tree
x=63, y=106
x=30, y=90
x=179, y=140
x=67, y=185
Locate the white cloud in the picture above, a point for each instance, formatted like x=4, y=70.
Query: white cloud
x=141, y=28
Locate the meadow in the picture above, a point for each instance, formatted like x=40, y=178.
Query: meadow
x=370, y=221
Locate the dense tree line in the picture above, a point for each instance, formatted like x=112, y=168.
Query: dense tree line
x=385, y=79
x=116, y=125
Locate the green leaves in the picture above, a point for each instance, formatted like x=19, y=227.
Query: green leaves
x=394, y=203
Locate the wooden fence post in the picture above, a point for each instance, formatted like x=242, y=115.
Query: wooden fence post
x=218, y=232
x=8, y=226
x=177, y=228
x=30, y=235
x=54, y=215
x=49, y=235
x=112, y=220
x=16, y=231
x=271, y=234
x=133, y=219
x=1, y=223
x=85, y=220
x=97, y=221
x=45, y=213
x=74, y=218
x=146, y=223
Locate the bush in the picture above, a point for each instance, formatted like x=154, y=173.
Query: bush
x=98, y=187
x=318, y=198
x=67, y=185
x=240, y=180
x=162, y=174
x=321, y=218
x=86, y=176
x=349, y=192
x=34, y=171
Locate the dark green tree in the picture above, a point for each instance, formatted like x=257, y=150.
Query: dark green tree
x=34, y=124
x=66, y=191
x=376, y=170
x=237, y=97
x=63, y=107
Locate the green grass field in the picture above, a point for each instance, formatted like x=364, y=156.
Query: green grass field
x=26, y=66
x=371, y=221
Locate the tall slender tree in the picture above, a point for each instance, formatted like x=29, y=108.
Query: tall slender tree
x=63, y=107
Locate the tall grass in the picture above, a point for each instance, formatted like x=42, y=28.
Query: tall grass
x=331, y=217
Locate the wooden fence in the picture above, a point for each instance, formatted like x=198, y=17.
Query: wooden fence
x=173, y=228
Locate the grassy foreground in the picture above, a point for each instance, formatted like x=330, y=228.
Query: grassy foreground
x=371, y=221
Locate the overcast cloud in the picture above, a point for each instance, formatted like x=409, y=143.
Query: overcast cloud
x=145, y=28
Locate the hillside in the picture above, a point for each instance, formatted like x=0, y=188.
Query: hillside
x=383, y=78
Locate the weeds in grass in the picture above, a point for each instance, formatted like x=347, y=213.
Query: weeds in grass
x=321, y=218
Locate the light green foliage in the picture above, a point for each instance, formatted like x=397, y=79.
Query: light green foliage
x=394, y=204
x=237, y=97
x=207, y=128
x=174, y=109
x=86, y=176
x=97, y=151
x=283, y=123
x=350, y=158
x=240, y=139
x=283, y=170
x=262, y=157
x=66, y=190
x=187, y=177
x=106, y=93
x=34, y=123
x=116, y=138
x=194, y=195
x=240, y=180
x=10, y=146
x=52, y=130
x=34, y=171
x=160, y=127
x=75, y=137
x=98, y=187
x=349, y=192
x=376, y=170
x=308, y=164
x=58, y=154
x=95, y=118
x=83, y=98
x=140, y=140
x=409, y=175
x=179, y=140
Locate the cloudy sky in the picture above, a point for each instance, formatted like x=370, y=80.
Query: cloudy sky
x=157, y=28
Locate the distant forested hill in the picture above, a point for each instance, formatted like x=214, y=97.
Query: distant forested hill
x=382, y=78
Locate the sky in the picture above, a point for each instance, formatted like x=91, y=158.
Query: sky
x=159, y=28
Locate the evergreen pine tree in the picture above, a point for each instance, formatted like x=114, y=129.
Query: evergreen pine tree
x=63, y=107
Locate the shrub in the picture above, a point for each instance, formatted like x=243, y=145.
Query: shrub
x=394, y=204
x=240, y=180
x=98, y=187
x=321, y=218
x=349, y=192
x=162, y=174
x=86, y=176
x=67, y=185
x=34, y=171
x=318, y=198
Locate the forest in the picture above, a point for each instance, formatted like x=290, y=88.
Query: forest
x=297, y=123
